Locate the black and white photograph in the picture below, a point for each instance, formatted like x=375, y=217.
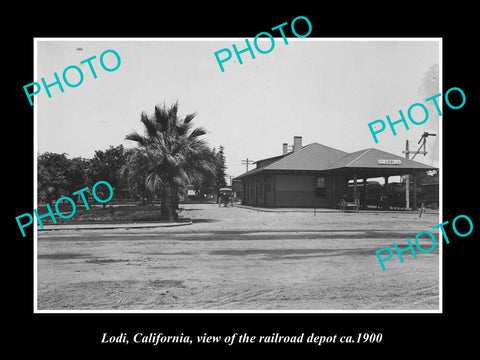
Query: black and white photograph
x=226, y=180
x=280, y=181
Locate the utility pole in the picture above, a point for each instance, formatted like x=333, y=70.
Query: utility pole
x=246, y=162
x=407, y=179
x=407, y=156
x=424, y=144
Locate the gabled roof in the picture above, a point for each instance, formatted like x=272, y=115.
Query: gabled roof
x=268, y=161
x=368, y=158
x=312, y=157
x=317, y=157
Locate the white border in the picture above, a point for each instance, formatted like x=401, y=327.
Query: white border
x=35, y=174
x=440, y=169
x=35, y=147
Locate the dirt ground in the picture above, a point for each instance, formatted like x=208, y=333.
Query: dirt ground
x=242, y=259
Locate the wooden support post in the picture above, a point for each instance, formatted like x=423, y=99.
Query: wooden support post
x=354, y=187
x=407, y=191
x=365, y=193
x=387, y=202
x=407, y=179
x=414, y=207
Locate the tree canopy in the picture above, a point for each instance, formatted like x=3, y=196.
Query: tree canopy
x=170, y=155
x=173, y=155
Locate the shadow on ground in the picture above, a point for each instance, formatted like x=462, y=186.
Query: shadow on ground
x=199, y=221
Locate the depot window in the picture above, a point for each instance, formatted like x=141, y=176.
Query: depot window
x=320, y=186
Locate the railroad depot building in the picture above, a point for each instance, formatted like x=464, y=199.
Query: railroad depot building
x=316, y=175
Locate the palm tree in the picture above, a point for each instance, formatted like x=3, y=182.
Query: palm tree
x=136, y=170
x=173, y=155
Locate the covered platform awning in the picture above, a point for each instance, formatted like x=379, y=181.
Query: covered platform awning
x=373, y=163
x=377, y=163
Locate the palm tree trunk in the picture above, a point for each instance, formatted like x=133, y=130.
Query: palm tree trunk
x=167, y=208
x=164, y=212
x=175, y=197
x=175, y=201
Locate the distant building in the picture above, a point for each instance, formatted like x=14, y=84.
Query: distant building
x=318, y=175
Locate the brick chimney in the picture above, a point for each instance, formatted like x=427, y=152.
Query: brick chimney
x=297, y=143
x=285, y=148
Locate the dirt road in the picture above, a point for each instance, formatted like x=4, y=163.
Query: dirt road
x=239, y=259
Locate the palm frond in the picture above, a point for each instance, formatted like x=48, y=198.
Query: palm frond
x=150, y=126
x=154, y=182
x=197, y=132
x=161, y=118
x=171, y=153
x=189, y=118
x=183, y=128
x=172, y=112
x=139, y=139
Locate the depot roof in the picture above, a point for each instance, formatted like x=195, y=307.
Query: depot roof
x=374, y=158
x=317, y=157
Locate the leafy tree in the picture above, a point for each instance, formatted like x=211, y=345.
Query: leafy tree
x=106, y=165
x=174, y=152
x=220, y=168
x=136, y=170
x=210, y=183
x=76, y=174
x=52, y=178
x=57, y=175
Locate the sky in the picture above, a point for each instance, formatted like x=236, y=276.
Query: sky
x=325, y=90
